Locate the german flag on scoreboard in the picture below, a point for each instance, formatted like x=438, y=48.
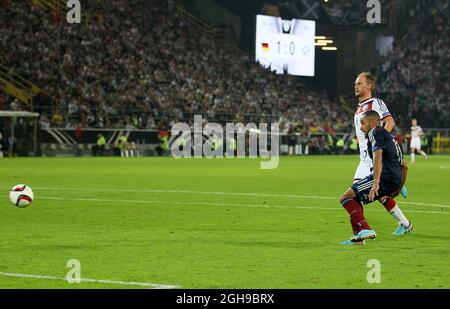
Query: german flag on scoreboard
x=265, y=46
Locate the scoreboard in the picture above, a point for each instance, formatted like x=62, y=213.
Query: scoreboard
x=286, y=46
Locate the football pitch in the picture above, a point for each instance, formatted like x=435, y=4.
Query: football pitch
x=214, y=223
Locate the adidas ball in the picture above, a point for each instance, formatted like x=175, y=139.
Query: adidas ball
x=21, y=196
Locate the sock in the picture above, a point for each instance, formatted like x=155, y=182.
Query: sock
x=395, y=211
x=423, y=153
x=356, y=213
x=413, y=156
x=354, y=227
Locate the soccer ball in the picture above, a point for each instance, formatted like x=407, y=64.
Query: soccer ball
x=21, y=195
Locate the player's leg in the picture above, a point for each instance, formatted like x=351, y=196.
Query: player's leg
x=350, y=200
x=361, y=189
x=404, y=191
x=392, y=207
x=419, y=150
x=417, y=145
x=405, y=226
x=350, y=194
x=423, y=153
x=363, y=170
x=386, y=189
x=413, y=155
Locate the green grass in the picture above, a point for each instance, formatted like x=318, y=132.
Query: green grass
x=179, y=233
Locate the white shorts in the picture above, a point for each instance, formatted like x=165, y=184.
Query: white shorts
x=364, y=169
x=415, y=143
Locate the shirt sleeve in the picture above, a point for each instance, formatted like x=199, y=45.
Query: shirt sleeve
x=380, y=107
x=376, y=139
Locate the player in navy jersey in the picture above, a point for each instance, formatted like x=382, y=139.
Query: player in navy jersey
x=386, y=181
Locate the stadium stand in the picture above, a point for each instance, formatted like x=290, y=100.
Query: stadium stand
x=148, y=66
x=141, y=66
x=414, y=74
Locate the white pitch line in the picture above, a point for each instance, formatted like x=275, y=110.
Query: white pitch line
x=192, y=192
x=146, y=284
x=294, y=196
x=425, y=204
x=337, y=208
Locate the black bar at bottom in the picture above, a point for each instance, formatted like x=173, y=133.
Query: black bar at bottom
x=212, y=298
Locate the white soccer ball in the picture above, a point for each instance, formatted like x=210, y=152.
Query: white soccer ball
x=21, y=195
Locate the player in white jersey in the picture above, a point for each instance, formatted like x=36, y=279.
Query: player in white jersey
x=377, y=105
x=416, y=133
x=364, y=86
x=363, y=91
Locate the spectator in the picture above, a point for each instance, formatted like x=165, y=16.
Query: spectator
x=57, y=119
x=100, y=147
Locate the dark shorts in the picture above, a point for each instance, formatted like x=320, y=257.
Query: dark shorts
x=362, y=188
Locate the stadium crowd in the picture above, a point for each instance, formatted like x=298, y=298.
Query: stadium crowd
x=147, y=66
x=141, y=66
x=414, y=74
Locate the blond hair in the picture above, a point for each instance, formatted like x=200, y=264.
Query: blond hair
x=369, y=78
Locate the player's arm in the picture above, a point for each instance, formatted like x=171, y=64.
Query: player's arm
x=389, y=123
x=377, y=167
x=404, y=175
